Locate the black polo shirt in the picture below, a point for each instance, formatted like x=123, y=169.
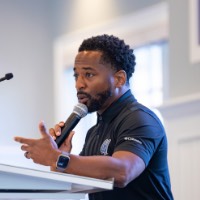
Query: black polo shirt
x=129, y=126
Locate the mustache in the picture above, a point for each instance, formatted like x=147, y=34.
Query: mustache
x=83, y=93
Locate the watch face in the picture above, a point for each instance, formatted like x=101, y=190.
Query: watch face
x=63, y=162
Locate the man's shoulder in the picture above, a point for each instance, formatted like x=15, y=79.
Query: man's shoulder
x=135, y=111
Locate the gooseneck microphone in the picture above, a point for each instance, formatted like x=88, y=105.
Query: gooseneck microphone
x=7, y=77
x=79, y=111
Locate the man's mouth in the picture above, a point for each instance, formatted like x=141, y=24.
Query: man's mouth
x=82, y=98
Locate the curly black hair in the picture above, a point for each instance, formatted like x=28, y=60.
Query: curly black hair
x=114, y=51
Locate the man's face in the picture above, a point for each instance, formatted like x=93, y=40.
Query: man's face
x=94, y=81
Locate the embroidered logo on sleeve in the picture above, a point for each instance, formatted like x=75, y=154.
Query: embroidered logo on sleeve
x=132, y=139
x=104, y=147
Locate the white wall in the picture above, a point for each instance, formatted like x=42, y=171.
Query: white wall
x=70, y=15
x=184, y=76
x=181, y=117
x=26, y=51
x=181, y=109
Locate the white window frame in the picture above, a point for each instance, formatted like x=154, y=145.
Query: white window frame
x=193, y=31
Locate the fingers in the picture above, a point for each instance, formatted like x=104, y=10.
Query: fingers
x=56, y=131
x=68, y=141
x=69, y=138
x=67, y=145
x=58, y=128
x=61, y=124
x=27, y=155
x=43, y=129
x=24, y=140
x=25, y=147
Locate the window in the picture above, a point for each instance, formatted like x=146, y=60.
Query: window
x=147, y=81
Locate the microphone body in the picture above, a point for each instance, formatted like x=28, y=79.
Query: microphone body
x=7, y=77
x=80, y=110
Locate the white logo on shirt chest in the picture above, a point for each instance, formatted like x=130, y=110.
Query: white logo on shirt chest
x=104, y=147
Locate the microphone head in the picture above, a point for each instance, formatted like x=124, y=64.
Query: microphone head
x=9, y=76
x=81, y=110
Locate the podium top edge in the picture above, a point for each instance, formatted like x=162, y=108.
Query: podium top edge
x=64, y=177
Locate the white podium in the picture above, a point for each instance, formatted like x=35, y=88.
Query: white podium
x=25, y=183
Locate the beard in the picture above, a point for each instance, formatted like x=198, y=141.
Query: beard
x=96, y=103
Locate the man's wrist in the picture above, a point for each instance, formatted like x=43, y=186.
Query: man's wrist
x=62, y=162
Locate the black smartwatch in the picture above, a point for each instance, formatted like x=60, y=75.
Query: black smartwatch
x=62, y=162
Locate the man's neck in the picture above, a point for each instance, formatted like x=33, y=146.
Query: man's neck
x=118, y=94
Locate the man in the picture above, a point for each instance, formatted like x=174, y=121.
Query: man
x=128, y=142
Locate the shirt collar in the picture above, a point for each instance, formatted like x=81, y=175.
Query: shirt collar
x=116, y=107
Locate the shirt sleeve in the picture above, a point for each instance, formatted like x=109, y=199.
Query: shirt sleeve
x=140, y=133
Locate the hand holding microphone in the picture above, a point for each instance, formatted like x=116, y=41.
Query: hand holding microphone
x=46, y=144
x=79, y=111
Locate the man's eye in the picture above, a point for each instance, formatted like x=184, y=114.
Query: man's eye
x=89, y=75
x=75, y=76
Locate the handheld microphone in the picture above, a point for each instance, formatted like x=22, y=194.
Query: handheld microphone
x=7, y=77
x=80, y=110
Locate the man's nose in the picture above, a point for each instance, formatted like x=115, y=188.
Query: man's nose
x=80, y=83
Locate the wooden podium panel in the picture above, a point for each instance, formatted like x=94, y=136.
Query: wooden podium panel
x=25, y=183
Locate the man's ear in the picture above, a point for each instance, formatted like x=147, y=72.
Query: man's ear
x=120, y=78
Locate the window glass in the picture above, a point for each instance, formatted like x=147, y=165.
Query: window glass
x=147, y=81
